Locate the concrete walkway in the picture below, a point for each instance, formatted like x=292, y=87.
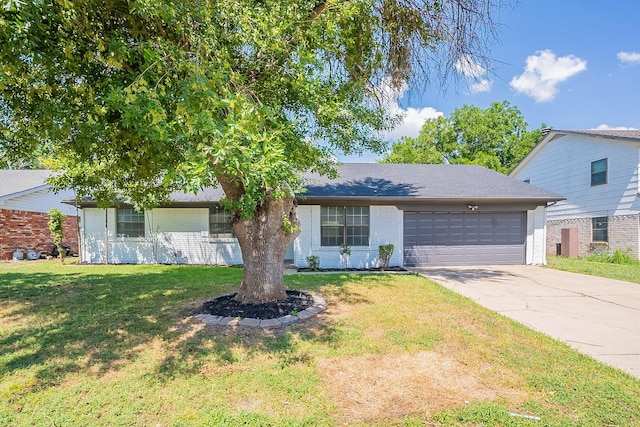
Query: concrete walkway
x=596, y=316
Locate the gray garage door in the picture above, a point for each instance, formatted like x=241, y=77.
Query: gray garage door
x=461, y=238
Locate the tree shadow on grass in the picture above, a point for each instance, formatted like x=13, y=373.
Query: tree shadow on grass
x=78, y=320
x=232, y=346
x=59, y=323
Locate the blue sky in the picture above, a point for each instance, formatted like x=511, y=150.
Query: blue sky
x=570, y=64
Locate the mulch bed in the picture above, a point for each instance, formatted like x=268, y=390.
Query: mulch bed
x=226, y=306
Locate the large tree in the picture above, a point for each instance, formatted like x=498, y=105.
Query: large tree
x=135, y=99
x=495, y=137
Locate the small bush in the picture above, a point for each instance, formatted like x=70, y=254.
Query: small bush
x=615, y=257
x=314, y=262
x=384, y=254
x=56, y=219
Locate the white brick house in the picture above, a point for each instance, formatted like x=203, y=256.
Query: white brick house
x=597, y=171
x=432, y=214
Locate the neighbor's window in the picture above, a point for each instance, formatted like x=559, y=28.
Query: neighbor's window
x=220, y=222
x=599, y=229
x=344, y=225
x=599, y=172
x=130, y=223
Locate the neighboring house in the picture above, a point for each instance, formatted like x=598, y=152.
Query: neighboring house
x=597, y=171
x=433, y=214
x=25, y=200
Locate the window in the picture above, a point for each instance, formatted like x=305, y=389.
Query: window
x=599, y=229
x=130, y=223
x=344, y=225
x=220, y=222
x=599, y=172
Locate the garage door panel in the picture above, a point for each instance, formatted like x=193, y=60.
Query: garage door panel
x=457, y=238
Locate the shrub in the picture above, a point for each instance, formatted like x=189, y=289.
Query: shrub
x=314, y=262
x=56, y=218
x=384, y=254
x=345, y=253
x=615, y=257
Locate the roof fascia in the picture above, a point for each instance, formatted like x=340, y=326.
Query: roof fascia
x=408, y=201
x=400, y=203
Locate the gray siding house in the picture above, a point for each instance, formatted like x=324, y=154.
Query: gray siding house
x=598, y=172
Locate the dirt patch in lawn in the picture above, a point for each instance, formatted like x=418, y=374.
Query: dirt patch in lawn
x=374, y=387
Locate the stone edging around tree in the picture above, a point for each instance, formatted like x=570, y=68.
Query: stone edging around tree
x=318, y=306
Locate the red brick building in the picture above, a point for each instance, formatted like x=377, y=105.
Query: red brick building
x=25, y=200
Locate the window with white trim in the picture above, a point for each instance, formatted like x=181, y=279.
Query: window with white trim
x=344, y=225
x=599, y=172
x=600, y=229
x=220, y=222
x=129, y=222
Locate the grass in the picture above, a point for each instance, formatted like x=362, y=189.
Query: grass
x=114, y=346
x=627, y=272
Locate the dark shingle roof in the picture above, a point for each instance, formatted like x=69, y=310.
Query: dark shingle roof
x=612, y=133
x=425, y=182
x=406, y=182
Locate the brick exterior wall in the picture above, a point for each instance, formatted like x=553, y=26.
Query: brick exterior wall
x=30, y=231
x=623, y=234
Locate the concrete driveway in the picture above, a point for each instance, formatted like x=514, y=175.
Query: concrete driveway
x=599, y=317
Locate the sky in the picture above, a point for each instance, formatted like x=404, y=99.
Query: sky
x=567, y=64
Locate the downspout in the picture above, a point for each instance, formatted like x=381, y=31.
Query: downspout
x=106, y=236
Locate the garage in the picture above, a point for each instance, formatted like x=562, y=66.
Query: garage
x=463, y=238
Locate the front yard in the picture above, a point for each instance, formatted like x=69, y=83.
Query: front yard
x=627, y=272
x=115, y=345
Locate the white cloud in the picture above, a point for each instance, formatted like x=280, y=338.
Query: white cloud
x=412, y=118
x=483, y=85
x=474, y=74
x=544, y=71
x=607, y=127
x=629, y=57
x=468, y=67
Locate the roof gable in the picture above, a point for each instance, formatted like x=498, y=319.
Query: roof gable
x=605, y=134
x=14, y=183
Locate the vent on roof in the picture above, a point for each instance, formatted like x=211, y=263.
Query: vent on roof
x=545, y=131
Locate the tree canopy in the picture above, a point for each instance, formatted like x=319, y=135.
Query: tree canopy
x=135, y=99
x=496, y=137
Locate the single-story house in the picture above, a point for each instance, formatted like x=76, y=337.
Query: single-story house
x=432, y=214
x=25, y=201
x=598, y=171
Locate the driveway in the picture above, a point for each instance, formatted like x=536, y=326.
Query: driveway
x=596, y=316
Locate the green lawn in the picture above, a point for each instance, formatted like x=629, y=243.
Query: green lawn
x=628, y=272
x=115, y=346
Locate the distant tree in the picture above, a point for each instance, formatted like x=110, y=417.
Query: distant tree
x=140, y=98
x=496, y=137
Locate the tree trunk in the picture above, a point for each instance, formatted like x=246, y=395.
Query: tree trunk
x=264, y=240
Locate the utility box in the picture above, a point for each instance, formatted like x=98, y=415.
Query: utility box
x=569, y=242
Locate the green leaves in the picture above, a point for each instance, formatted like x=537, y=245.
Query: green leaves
x=496, y=138
x=136, y=99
